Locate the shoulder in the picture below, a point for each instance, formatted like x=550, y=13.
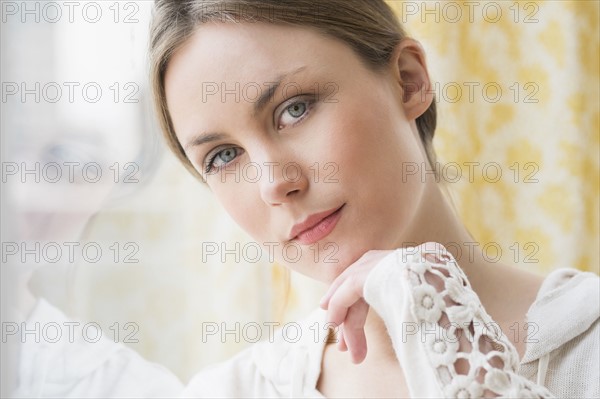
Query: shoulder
x=566, y=308
x=566, y=279
x=570, y=294
x=286, y=362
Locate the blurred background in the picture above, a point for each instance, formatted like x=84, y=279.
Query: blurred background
x=517, y=85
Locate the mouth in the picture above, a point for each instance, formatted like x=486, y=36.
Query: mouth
x=316, y=227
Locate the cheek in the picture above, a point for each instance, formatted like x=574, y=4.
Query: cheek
x=241, y=201
x=373, y=143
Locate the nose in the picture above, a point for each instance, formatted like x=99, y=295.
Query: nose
x=282, y=182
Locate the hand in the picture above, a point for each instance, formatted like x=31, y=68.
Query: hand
x=346, y=306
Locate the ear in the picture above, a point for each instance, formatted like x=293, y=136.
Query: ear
x=410, y=71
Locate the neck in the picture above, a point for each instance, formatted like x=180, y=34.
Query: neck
x=436, y=221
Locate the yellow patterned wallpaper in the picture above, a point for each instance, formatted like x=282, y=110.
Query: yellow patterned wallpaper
x=518, y=91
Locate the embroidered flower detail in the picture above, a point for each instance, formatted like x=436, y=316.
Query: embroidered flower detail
x=458, y=292
x=428, y=303
x=463, y=387
x=419, y=266
x=468, y=303
x=497, y=380
x=414, y=261
x=441, y=351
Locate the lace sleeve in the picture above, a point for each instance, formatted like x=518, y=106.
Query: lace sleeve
x=446, y=343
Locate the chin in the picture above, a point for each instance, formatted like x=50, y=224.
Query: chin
x=329, y=271
x=329, y=259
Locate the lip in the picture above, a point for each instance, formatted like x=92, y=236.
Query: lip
x=315, y=227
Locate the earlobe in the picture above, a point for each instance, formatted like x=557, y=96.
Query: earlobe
x=413, y=77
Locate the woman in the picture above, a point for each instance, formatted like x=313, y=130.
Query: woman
x=303, y=117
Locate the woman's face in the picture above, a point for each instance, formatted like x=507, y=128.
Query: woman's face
x=334, y=134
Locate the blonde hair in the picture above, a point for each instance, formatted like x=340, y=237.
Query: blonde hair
x=369, y=27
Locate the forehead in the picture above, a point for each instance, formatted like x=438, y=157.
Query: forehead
x=250, y=51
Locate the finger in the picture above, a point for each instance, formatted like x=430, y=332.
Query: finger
x=341, y=341
x=345, y=296
x=354, y=331
x=324, y=302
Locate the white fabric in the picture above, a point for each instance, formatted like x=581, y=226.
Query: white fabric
x=566, y=312
x=79, y=369
x=564, y=361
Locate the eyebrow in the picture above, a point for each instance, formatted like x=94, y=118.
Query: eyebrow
x=259, y=105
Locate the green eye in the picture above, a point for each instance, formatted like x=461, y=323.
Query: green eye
x=227, y=155
x=295, y=113
x=297, y=110
x=221, y=158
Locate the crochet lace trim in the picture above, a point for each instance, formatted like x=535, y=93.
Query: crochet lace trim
x=471, y=355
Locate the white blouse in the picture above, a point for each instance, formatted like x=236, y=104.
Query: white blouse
x=426, y=303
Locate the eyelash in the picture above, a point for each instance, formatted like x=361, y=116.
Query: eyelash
x=305, y=100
